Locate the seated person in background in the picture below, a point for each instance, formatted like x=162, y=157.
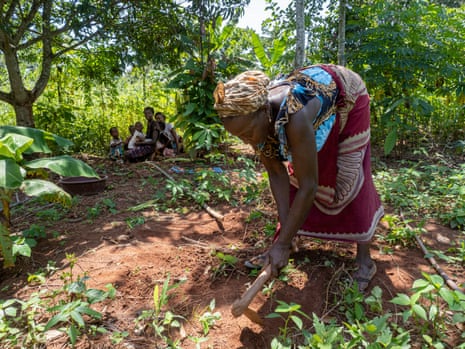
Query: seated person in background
x=132, y=129
x=165, y=145
x=169, y=132
x=143, y=149
x=116, y=145
x=137, y=136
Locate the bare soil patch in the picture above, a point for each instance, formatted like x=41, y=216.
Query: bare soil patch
x=182, y=244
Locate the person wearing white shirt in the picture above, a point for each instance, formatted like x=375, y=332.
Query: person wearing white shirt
x=138, y=136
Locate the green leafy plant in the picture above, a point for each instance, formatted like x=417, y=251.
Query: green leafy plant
x=211, y=183
x=376, y=333
x=353, y=304
x=160, y=319
x=70, y=306
x=71, y=311
x=22, y=246
x=94, y=211
x=197, y=80
x=110, y=205
x=269, y=60
x=19, y=321
x=424, y=306
x=135, y=221
x=292, y=322
x=209, y=318
x=51, y=214
x=35, y=231
x=458, y=251
x=375, y=300
x=325, y=336
x=431, y=191
x=400, y=233
x=118, y=336
x=227, y=264
x=40, y=275
x=15, y=142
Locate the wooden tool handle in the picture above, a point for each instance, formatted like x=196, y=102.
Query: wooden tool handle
x=241, y=304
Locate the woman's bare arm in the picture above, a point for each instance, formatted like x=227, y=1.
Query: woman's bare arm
x=301, y=141
x=279, y=183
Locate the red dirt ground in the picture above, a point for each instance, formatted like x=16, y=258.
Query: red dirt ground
x=136, y=259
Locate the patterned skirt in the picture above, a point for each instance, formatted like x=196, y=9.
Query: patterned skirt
x=347, y=206
x=139, y=153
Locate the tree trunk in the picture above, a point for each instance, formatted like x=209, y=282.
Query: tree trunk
x=341, y=38
x=300, y=34
x=24, y=116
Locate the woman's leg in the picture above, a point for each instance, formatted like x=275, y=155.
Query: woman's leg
x=366, y=266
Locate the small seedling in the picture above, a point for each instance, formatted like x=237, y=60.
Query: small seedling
x=110, y=205
x=135, y=221
x=227, y=264
x=51, y=214
x=209, y=318
x=160, y=319
x=94, y=212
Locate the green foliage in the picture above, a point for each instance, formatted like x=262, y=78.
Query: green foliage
x=159, y=318
x=429, y=311
x=400, y=233
x=431, y=191
x=70, y=307
x=196, y=80
x=14, y=176
x=408, y=56
x=227, y=264
x=209, y=318
x=51, y=214
x=22, y=246
x=353, y=304
x=85, y=113
x=110, y=205
x=269, y=60
x=135, y=221
x=42, y=141
x=35, y=232
x=425, y=307
x=204, y=185
x=19, y=325
x=197, y=118
x=93, y=212
x=70, y=313
x=292, y=322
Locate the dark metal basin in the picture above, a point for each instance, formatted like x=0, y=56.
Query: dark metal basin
x=83, y=185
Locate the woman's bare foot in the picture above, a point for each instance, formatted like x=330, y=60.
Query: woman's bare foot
x=363, y=275
x=366, y=267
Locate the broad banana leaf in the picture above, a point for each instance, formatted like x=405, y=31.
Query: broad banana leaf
x=40, y=138
x=11, y=174
x=46, y=190
x=13, y=146
x=7, y=247
x=260, y=52
x=63, y=165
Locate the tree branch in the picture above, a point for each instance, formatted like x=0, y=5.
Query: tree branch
x=47, y=54
x=6, y=97
x=40, y=37
x=26, y=21
x=2, y=3
x=53, y=34
x=11, y=10
x=73, y=46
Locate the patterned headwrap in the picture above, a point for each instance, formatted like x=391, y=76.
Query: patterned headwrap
x=242, y=95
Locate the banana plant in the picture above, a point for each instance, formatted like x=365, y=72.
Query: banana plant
x=269, y=59
x=16, y=173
